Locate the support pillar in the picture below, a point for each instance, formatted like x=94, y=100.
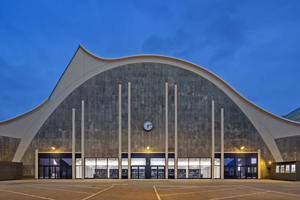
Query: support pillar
x=166, y=125
x=120, y=131
x=82, y=141
x=258, y=164
x=36, y=164
x=222, y=143
x=212, y=140
x=129, y=130
x=176, y=135
x=73, y=143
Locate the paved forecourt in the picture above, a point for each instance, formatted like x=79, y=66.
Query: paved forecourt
x=148, y=189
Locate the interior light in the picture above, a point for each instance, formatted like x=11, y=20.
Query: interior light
x=53, y=148
x=242, y=147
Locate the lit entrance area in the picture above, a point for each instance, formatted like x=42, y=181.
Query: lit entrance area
x=55, y=165
x=239, y=165
x=148, y=166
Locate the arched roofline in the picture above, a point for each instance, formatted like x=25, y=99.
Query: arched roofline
x=85, y=65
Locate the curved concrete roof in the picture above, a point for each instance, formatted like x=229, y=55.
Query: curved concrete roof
x=85, y=65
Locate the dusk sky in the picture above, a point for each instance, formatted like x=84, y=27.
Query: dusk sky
x=252, y=45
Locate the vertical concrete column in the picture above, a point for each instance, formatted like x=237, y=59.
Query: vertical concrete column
x=167, y=145
x=120, y=131
x=82, y=140
x=36, y=164
x=176, y=135
x=222, y=143
x=73, y=143
x=129, y=130
x=213, y=140
x=258, y=164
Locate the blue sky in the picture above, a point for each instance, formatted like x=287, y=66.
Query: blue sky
x=252, y=45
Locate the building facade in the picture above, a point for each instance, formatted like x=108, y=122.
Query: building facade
x=146, y=117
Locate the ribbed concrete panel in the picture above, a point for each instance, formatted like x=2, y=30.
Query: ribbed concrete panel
x=8, y=147
x=289, y=148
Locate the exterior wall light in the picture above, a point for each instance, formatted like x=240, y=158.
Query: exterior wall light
x=270, y=162
x=53, y=148
x=148, y=148
x=242, y=147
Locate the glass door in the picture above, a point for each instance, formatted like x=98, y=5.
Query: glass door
x=134, y=172
x=153, y=172
x=141, y=172
x=161, y=172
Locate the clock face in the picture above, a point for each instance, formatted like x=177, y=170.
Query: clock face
x=147, y=125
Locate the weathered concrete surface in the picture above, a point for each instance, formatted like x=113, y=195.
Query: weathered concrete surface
x=10, y=171
x=100, y=94
x=8, y=148
x=289, y=148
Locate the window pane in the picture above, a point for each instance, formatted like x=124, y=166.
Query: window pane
x=78, y=172
x=101, y=161
x=78, y=161
x=217, y=171
x=90, y=162
x=157, y=161
x=124, y=161
x=183, y=161
x=138, y=161
x=277, y=168
x=205, y=161
x=66, y=161
x=171, y=161
x=293, y=168
x=282, y=169
x=217, y=161
x=194, y=162
x=54, y=161
x=287, y=168
x=44, y=161
x=253, y=161
x=113, y=161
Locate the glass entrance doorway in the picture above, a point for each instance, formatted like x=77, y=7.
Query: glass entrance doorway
x=157, y=172
x=138, y=172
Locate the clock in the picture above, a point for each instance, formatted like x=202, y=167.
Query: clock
x=147, y=126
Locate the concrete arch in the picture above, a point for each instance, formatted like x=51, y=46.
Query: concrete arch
x=85, y=65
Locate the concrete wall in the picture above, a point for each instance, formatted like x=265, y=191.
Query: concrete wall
x=100, y=94
x=289, y=148
x=8, y=147
x=10, y=171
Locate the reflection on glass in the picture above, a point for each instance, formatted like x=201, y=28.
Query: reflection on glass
x=277, y=168
x=157, y=161
x=287, y=168
x=282, y=169
x=138, y=161
x=217, y=161
x=293, y=168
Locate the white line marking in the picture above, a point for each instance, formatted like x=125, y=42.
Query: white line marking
x=26, y=194
x=156, y=193
x=275, y=191
x=63, y=190
x=198, y=192
x=98, y=192
x=242, y=195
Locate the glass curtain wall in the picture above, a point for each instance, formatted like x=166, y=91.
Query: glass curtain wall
x=217, y=168
x=55, y=168
x=194, y=168
x=78, y=168
x=101, y=168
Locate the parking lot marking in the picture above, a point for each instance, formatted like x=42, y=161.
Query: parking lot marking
x=63, y=190
x=242, y=195
x=295, y=195
x=24, y=194
x=156, y=193
x=98, y=192
x=198, y=192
